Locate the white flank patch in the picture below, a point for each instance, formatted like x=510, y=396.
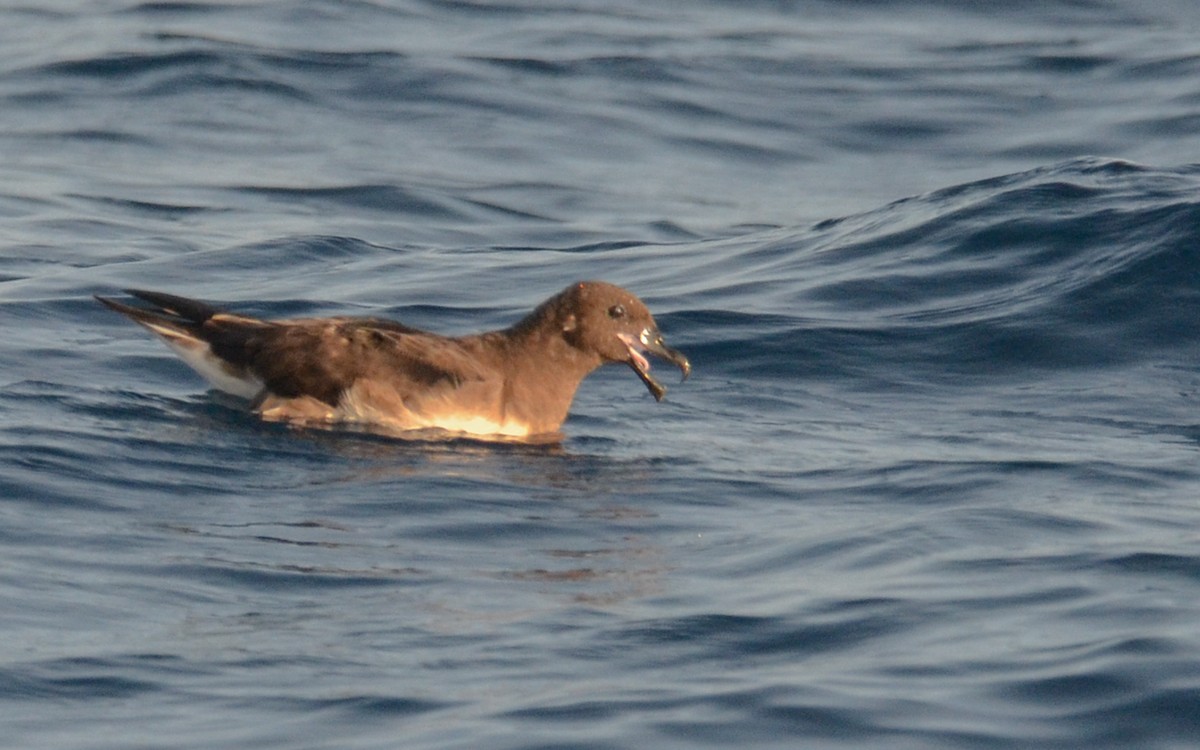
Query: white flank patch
x=198, y=356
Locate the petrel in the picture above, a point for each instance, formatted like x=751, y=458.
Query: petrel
x=516, y=383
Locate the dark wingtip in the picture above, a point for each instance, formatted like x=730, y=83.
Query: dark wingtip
x=191, y=310
x=112, y=304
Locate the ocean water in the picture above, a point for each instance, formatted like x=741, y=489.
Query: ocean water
x=934, y=482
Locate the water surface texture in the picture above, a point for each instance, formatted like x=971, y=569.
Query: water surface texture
x=934, y=482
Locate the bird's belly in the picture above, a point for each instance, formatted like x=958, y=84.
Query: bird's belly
x=360, y=405
x=476, y=425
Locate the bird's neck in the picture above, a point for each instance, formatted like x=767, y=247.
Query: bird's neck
x=542, y=371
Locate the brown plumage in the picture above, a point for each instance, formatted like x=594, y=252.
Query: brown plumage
x=516, y=383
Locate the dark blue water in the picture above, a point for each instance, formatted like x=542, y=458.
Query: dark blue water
x=935, y=481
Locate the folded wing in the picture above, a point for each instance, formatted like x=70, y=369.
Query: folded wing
x=335, y=368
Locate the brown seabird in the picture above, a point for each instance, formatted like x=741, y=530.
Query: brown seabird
x=516, y=383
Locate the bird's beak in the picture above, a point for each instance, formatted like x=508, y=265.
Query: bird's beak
x=651, y=342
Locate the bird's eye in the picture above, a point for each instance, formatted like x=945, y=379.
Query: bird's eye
x=616, y=311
